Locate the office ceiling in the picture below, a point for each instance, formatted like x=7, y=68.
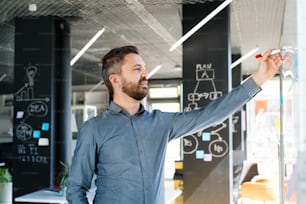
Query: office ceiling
x=152, y=25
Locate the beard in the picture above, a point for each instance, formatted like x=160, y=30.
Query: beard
x=135, y=90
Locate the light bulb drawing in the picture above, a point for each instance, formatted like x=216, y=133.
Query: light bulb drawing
x=31, y=72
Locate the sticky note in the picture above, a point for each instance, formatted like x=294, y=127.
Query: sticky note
x=36, y=133
x=206, y=136
x=207, y=157
x=19, y=114
x=45, y=126
x=43, y=142
x=199, y=154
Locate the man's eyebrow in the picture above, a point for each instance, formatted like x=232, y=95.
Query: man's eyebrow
x=138, y=65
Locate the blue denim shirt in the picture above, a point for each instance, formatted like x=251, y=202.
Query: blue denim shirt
x=127, y=152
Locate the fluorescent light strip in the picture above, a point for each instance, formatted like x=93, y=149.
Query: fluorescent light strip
x=85, y=48
x=154, y=71
x=96, y=86
x=2, y=77
x=200, y=24
x=244, y=57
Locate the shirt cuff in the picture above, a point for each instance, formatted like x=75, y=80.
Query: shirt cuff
x=251, y=87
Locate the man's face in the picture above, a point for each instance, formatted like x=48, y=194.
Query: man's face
x=133, y=72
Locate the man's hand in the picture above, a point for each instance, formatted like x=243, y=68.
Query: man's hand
x=267, y=67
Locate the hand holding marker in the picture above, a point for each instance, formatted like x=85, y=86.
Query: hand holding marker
x=287, y=55
x=273, y=52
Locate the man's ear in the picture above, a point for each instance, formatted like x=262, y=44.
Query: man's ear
x=114, y=80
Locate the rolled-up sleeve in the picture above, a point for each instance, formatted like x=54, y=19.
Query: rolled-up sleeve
x=83, y=165
x=216, y=111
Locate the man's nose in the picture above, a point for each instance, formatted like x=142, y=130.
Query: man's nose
x=144, y=72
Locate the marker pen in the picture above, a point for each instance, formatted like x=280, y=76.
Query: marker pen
x=274, y=51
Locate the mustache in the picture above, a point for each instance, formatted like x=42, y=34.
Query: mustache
x=143, y=79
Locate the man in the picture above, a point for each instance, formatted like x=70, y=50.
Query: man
x=125, y=145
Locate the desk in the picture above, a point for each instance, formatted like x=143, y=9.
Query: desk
x=48, y=196
x=42, y=196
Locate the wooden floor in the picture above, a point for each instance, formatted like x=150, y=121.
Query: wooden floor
x=180, y=200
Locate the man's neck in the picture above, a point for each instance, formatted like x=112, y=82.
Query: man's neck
x=128, y=104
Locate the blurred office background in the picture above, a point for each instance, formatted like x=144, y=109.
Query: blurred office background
x=271, y=126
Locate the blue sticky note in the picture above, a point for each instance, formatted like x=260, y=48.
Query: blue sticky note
x=206, y=136
x=45, y=126
x=36, y=134
x=200, y=154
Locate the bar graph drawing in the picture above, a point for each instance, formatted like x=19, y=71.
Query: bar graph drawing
x=26, y=93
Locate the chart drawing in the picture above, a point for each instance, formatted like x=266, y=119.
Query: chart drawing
x=27, y=92
x=24, y=131
x=204, y=74
x=191, y=144
x=31, y=105
x=217, y=146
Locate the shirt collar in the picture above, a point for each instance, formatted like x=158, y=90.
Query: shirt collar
x=117, y=109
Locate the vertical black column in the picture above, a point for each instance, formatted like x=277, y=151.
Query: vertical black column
x=63, y=84
x=206, y=59
x=236, y=119
x=42, y=97
x=238, y=134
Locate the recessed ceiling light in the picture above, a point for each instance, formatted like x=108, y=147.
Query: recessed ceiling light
x=32, y=7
